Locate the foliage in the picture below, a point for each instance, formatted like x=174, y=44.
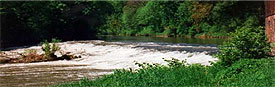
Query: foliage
x=246, y=42
x=152, y=75
x=35, y=21
x=183, y=21
x=77, y=20
x=50, y=49
x=112, y=25
x=245, y=72
x=248, y=72
x=146, y=31
x=175, y=63
x=179, y=18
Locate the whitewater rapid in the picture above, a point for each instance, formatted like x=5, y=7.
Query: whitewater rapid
x=97, y=54
x=98, y=58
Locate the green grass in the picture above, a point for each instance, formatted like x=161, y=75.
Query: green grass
x=245, y=72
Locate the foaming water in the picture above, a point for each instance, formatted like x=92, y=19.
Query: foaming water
x=98, y=58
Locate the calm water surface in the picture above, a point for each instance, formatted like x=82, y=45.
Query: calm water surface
x=206, y=41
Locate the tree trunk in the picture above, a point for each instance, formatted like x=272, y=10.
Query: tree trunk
x=270, y=22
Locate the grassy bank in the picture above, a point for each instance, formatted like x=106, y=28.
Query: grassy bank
x=245, y=72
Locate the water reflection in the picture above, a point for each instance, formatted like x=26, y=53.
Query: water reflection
x=206, y=41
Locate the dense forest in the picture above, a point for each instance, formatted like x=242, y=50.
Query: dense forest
x=24, y=22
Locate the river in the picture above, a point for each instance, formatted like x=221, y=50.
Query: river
x=101, y=57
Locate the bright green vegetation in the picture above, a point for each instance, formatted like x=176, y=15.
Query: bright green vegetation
x=243, y=73
x=30, y=22
x=181, y=18
x=246, y=42
x=50, y=49
x=244, y=62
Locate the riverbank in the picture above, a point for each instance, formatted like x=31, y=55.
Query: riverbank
x=199, y=36
x=244, y=61
x=244, y=73
x=98, y=55
x=173, y=40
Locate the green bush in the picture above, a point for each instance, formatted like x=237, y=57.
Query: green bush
x=246, y=42
x=244, y=73
x=147, y=31
x=50, y=49
x=152, y=75
x=248, y=72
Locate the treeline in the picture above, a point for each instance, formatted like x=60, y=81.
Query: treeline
x=31, y=22
x=24, y=22
x=181, y=18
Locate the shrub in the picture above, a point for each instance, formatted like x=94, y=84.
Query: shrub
x=244, y=73
x=152, y=75
x=50, y=49
x=147, y=31
x=246, y=42
x=247, y=72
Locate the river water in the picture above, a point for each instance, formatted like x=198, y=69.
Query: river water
x=201, y=41
x=101, y=57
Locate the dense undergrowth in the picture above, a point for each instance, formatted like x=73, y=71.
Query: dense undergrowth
x=243, y=61
x=245, y=72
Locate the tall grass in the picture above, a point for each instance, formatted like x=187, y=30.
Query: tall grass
x=245, y=72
